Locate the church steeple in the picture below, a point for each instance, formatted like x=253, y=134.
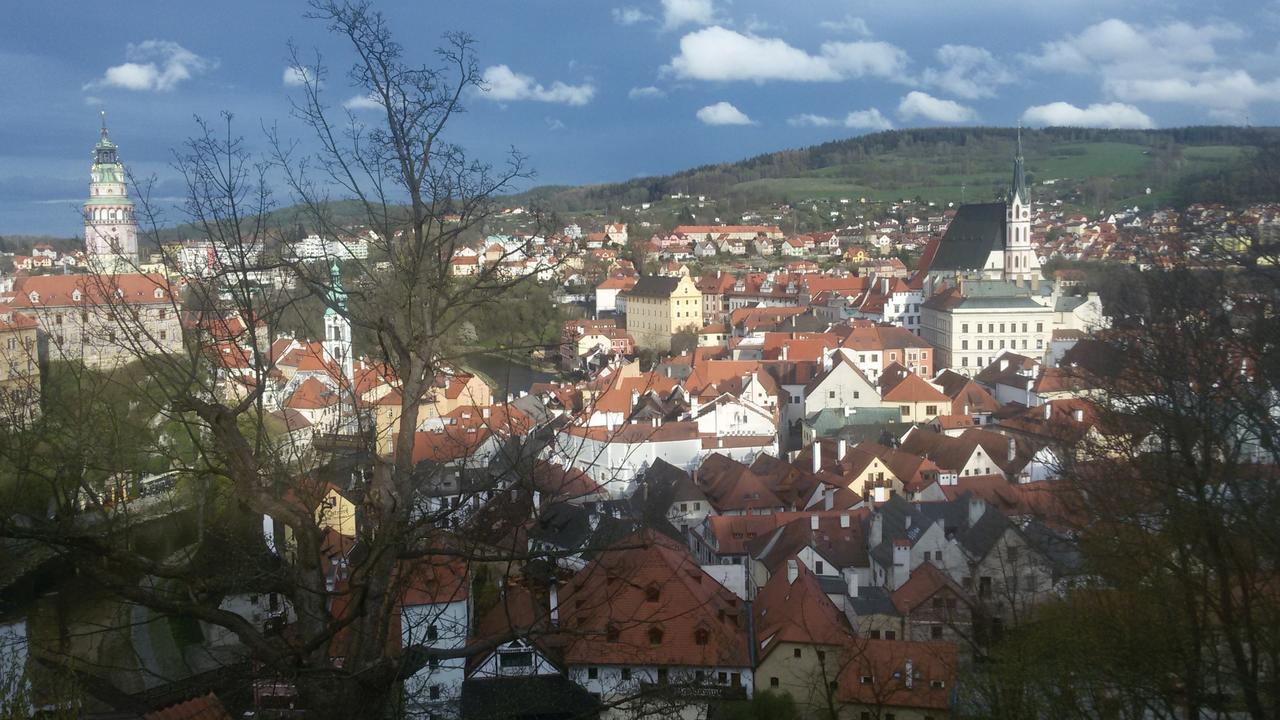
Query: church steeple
x=337, y=328
x=1019, y=186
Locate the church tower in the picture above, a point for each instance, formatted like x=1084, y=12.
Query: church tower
x=110, y=229
x=337, y=328
x=1020, y=260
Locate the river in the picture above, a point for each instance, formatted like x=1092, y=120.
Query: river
x=510, y=377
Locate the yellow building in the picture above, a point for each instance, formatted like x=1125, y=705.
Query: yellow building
x=448, y=393
x=19, y=369
x=659, y=307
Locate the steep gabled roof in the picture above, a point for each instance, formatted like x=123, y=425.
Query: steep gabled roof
x=975, y=232
x=797, y=612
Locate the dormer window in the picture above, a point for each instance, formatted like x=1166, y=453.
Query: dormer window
x=652, y=593
x=611, y=634
x=75, y=295
x=35, y=296
x=701, y=636
x=159, y=293
x=655, y=636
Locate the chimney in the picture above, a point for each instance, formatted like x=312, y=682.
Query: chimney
x=1078, y=414
x=841, y=448
x=635, y=397
x=793, y=571
x=826, y=359
x=910, y=672
x=829, y=499
x=1048, y=411
x=484, y=413
x=813, y=522
x=784, y=352
x=537, y=500
x=853, y=584
x=1013, y=449
x=844, y=521
x=1004, y=364
x=976, y=508
x=693, y=405
x=966, y=409
x=817, y=457
x=877, y=529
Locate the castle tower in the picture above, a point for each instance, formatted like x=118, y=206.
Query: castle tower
x=337, y=328
x=1020, y=260
x=110, y=229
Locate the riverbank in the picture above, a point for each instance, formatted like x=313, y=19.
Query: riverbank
x=505, y=372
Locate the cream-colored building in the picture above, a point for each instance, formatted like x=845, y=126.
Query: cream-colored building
x=19, y=369
x=100, y=320
x=659, y=307
x=972, y=324
x=449, y=392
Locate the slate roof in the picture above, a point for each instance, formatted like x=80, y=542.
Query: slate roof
x=976, y=231
x=658, y=286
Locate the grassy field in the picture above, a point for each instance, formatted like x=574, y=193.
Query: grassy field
x=1069, y=165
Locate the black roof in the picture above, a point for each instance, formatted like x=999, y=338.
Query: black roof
x=545, y=697
x=975, y=232
x=659, y=286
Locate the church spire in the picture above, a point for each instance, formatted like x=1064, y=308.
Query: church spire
x=1019, y=189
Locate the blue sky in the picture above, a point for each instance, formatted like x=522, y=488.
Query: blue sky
x=599, y=90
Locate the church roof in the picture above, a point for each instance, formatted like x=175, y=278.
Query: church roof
x=976, y=231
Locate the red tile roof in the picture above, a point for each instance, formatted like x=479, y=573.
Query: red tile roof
x=206, y=707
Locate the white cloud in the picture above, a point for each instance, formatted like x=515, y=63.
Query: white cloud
x=648, y=92
x=553, y=124
x=630, y=15
x=723, y=113
x=676, y=13
x=967, y=71
x=503, y=84
x=1175, y=62
x=362, y=102
x=810, y=120
x=1102, y=115
x=870, y=119
x=153, y=65
x=719, y=54
x=296, y=76
x=849, y=24
x=916, y=104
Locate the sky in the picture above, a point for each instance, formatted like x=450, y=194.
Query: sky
x=605, y=90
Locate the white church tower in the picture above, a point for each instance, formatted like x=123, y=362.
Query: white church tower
x=110, y=229
x=337, y=328
x=1020, y=261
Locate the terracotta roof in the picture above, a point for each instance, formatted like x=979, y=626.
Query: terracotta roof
x=312, y=394
x=925, y=582
x=433, y=580
x=647, y=602
x=885, y=663
x=910, y=387
x=796, y=612
x=60, y=290
x=205, y=707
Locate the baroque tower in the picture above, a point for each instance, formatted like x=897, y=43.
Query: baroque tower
x=1020, y=260
x=337, y=328
x=110, y=229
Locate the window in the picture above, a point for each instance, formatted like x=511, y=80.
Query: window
x=890, y=635
x=905, y=410
x=931, y=409
x=865, y=679
x=964, y=344
x=936, y=633
x=611, y=634
x=164, y=335
x=662, y=676
x=435, y=692
x=964, y=327
x=817, y=567
x=655, y=636
x=964, y=361
x=795, y=653
x=1039, y=327
x=626, y=673
x=1024, y=327
x=735, y=679
x=433, y=633
x=57, y=319
x=875, y=634
x=822, y=656
x=701, y=636
x=1001, y=327
x=652, y=593
x=937, y=684
x=773, y=682
x=515, y=659
x=724, y=678
x=593, y=673
x=831, y=394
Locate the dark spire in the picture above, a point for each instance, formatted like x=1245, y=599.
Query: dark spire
x=1019, y=188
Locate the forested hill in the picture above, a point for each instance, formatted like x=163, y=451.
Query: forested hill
x=951, y=164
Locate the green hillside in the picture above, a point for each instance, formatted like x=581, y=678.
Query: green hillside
x=1085, y=168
